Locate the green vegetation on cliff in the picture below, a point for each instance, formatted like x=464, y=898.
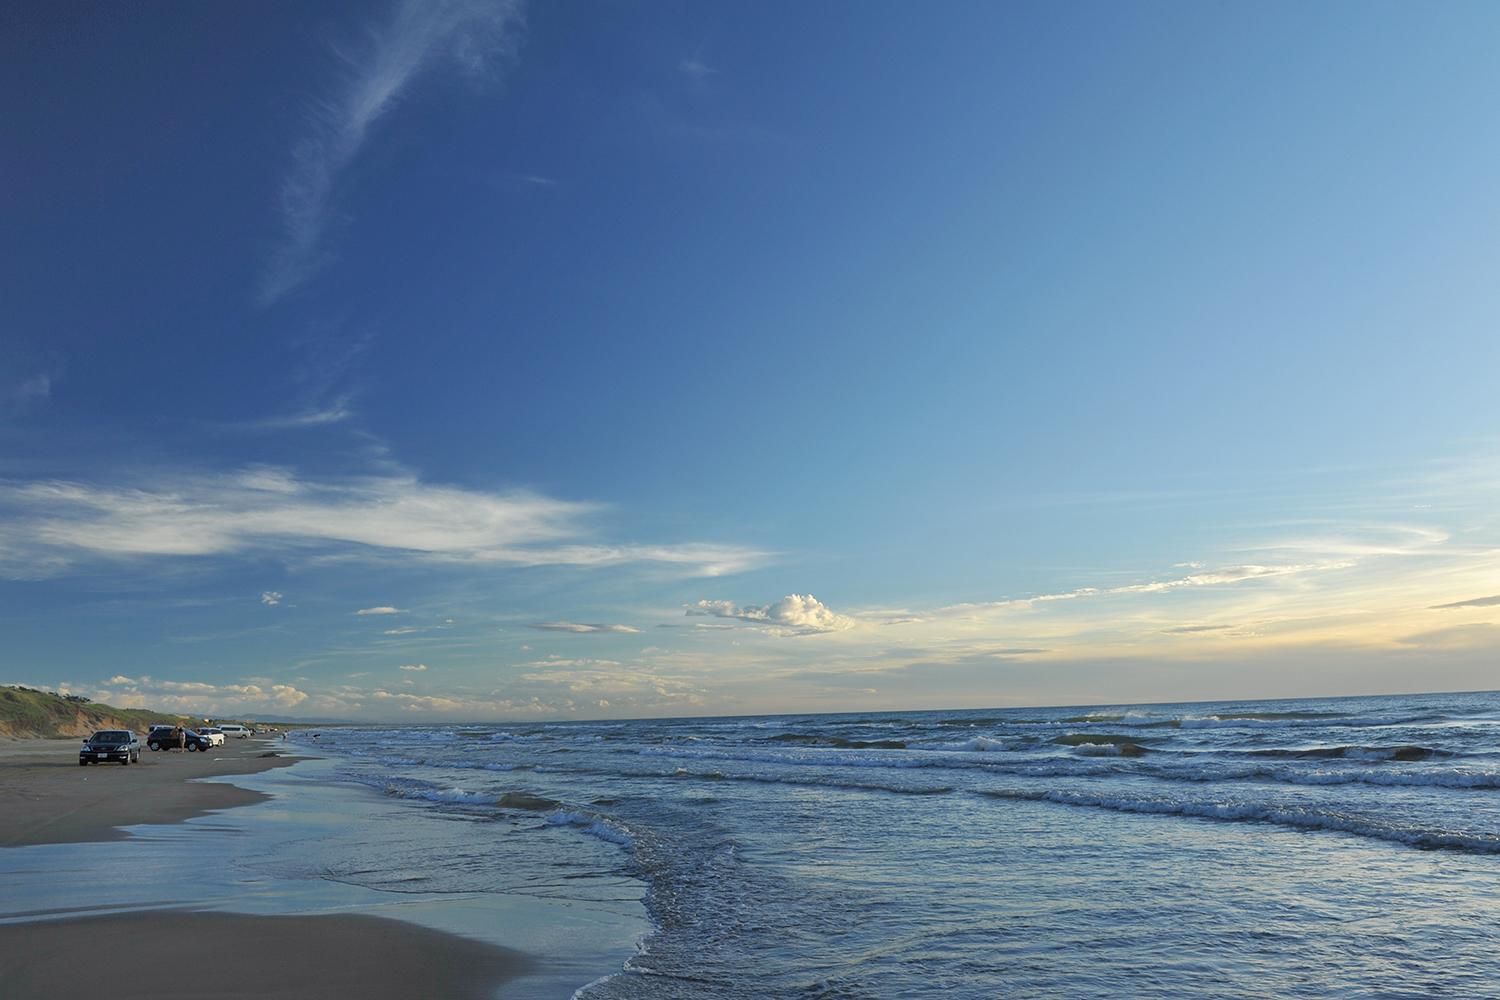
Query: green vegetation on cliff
x=27, y=712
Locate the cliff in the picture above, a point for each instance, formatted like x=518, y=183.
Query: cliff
x=27, y=712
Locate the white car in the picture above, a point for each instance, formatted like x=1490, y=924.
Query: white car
x=215, y=737
x=230, y=729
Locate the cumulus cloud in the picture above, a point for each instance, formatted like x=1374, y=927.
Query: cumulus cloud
x=559, y=687
x=470, y=36
x=48, y=525
x=271, y=598
x=384, y=609
x=602, y=679
x=203, y=697
x=800, y=614
x=414, y=667
x=421, y=702
x=582, y=628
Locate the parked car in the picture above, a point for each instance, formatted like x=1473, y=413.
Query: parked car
x=166, y=739
x=214, y=734
x=230, y=729
x=108, y=745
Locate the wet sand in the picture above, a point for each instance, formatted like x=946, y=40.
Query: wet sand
x=226, y=955
x=46, y=798
x=49, y=799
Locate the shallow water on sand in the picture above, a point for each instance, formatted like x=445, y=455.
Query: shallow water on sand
x=1335, y=847
x=323, y=845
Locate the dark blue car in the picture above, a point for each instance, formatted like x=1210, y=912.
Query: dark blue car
x=166, y=739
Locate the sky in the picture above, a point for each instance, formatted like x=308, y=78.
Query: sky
x=459, y=360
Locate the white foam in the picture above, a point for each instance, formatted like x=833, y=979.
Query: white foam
x=444, y=795
x=591, y=825
x=979, y=744
x=1303, y=818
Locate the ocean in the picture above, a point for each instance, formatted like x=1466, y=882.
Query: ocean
x=1341, y=847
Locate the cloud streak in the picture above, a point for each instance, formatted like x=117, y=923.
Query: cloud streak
x=1477, y=602
x=333, y=412
x=1225, y=576
x=19, y=396
x=583, y=628
x=469, y=36
x=49, y=526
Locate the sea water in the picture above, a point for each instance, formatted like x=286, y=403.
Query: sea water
x=1342, y=847
x=1310, y=848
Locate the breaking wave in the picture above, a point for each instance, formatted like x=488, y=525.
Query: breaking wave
x=1299, y=817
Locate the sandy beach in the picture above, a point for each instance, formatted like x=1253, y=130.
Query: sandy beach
x=58, y=802
x=230, y=955
x=49, y=799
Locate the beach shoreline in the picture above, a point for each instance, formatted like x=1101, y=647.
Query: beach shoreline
x=50, y=800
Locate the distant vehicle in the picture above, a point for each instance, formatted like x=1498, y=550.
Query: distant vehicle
x=164, y=739
x=110, y=744
x=214, y=734
x=230, y=729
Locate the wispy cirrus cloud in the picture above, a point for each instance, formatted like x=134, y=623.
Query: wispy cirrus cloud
x=560, y=661
x=376, y=70
x=333, y=412
x=384, y=609
x=583, y=628
x=1475, y=602
x=19, y=395
x=1228, y=575
x=695, y=69
x=1202, y=578
x=46, y=527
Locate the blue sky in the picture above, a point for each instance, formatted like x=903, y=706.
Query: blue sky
x=492, y=360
